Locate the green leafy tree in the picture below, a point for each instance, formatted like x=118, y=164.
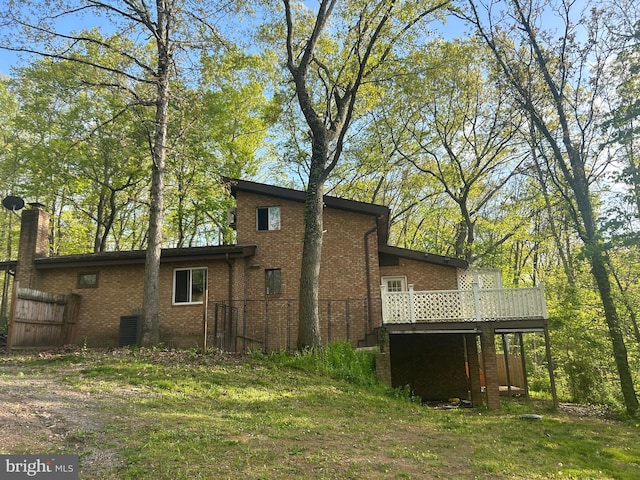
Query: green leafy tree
x=460, y=131
x=558, y=85
x=170, y=29
x=334, y=57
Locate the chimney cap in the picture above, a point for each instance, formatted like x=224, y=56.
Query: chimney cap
x=37, y=205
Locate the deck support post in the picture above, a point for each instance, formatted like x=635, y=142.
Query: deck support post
x=473, y=365
x=552, y=381
x=490, y=362
x=523, y=359
x=505, y=351
x=383, y=358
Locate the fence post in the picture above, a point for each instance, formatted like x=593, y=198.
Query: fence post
x=476, y=300
x=244, y=326
x=205, y=326
x=412, y=313
x=288, y=325
x=365, y=309
x=11, y=326
x=543, y=300
x=266, y=327
x=347, y=319
x=328, y=321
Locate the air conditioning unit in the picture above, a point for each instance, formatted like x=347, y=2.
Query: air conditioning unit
x=231, y=217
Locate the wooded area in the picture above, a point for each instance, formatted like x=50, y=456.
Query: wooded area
x=500, y=132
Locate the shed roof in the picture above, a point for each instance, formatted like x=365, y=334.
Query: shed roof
x=389, y=251
x=138, y=257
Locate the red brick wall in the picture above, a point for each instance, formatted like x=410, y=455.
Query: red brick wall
x=342, y=274
x=34, y=243
x=424, y=276
x=119, y=293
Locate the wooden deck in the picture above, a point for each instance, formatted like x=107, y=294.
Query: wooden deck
x=510, y=309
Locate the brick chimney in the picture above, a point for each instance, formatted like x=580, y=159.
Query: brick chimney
x=34, y=243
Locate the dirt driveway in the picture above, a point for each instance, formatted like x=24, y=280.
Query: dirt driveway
x=41, y=414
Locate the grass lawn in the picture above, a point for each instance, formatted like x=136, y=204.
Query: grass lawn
x=136, y=414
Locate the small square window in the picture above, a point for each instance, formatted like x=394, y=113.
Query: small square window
x=273, y=281
x=268, y=218
x=189, y=285
x=88, y=280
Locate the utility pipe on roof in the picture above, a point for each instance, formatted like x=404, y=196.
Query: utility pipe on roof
x=230, y=293
x=367, y=263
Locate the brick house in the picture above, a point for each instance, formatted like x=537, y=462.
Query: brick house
x=244, y=296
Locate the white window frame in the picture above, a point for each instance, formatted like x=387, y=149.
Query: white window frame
x=190, y=286
x=395, y=278
x=270, y=218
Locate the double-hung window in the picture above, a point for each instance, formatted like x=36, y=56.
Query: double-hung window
x=268, y=218
x=273, y=281
x=189, y=285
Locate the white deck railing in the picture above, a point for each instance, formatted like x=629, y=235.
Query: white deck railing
x=463, y=305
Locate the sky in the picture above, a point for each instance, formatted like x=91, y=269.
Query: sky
x=9, y=59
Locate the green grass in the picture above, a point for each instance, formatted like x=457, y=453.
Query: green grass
x=182, y=415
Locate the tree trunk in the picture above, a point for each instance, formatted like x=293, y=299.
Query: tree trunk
x=309, y=320
x=151, y=327
x=598, y=268
x=597, y=258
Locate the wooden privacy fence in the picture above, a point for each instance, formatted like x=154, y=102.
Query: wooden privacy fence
x=41, y=319
x=516, y=376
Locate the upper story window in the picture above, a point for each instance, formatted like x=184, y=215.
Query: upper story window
x=268, y=218
x=189, y=285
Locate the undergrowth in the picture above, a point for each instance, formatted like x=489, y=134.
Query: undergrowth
x=339, y=360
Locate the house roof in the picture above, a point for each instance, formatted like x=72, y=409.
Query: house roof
x=138, y=257
x=421, y=256
x=381, y=212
